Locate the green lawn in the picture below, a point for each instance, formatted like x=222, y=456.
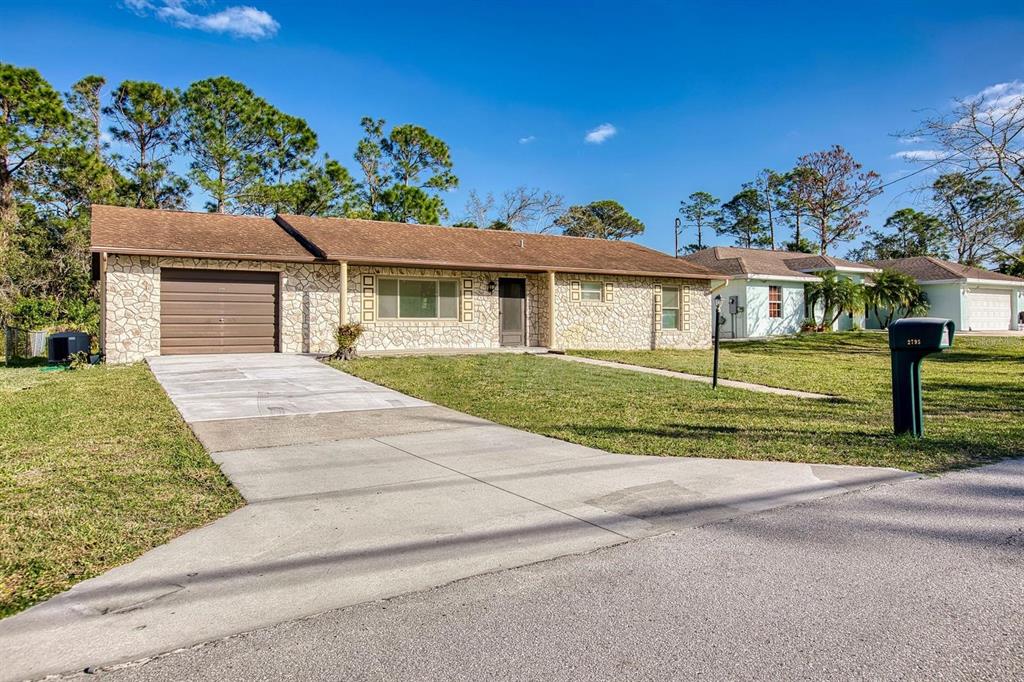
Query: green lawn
x=96, y=467
x=974, y=400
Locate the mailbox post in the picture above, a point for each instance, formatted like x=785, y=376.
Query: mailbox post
x=910, y=341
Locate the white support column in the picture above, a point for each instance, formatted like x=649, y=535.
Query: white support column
x=552, y=325
x=343, y=291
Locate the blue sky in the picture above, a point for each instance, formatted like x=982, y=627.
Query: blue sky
x=700, y=97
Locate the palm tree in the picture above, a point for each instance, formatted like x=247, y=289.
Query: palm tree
x=895, y=295
x=836, y=295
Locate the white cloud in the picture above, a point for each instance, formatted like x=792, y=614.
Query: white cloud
x=239, y=21
x=911, y=140
x=527, y=140
x=997, y=100
x=921, y=155
x=600, y=133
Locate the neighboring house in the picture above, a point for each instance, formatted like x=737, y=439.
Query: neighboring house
x=765, y=294
x=975, y=299
x=179, y=283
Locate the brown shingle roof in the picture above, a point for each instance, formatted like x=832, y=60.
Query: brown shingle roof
x=736, y=261
x=372, y=242
x=929, y=269
x=179, y=233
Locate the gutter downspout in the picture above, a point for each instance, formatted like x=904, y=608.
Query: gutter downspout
x=103, y=304
x=714, y=313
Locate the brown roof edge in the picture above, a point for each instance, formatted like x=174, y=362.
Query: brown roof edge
x=300, y=238
x=234, y=255
x=505, y=267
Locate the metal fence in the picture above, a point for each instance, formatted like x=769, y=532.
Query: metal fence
x=24, y=343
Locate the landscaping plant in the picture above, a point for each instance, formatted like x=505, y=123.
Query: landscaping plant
x=347, y=336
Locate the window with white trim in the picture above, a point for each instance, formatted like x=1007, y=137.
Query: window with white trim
x=592, y=291
x=670, y=307
x=774, y=301
x=417, y=299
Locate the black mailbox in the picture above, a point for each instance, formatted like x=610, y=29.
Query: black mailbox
x=910, y=340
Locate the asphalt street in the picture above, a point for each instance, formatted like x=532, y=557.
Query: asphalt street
x=913, y=580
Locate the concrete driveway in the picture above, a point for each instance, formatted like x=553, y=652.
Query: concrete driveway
x=358, y=493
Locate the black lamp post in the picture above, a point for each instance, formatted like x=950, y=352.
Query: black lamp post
x=678, y=224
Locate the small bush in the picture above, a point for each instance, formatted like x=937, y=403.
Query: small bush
x=79, y=360
x=347, y=337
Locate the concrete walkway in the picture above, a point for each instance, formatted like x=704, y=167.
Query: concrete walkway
x=382, y=495
x=743, y=385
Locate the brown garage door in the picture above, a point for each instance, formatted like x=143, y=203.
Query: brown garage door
x=217, y=311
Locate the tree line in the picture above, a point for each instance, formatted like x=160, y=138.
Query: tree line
x=129, y=145
x=972, y=212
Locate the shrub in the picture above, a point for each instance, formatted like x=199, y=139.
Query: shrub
x=809, y=325
x=347, y=336
x=79, y=360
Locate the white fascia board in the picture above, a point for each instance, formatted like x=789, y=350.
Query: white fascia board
x=867, y=271
x=843, y=268
x=971, y=280
x=778, y=278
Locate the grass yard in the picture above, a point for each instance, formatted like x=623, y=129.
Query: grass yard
x=974, y=400
x=96, y=467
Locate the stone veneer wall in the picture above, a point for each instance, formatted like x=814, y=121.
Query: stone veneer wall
x=475, y=328
x=310, y=294
x=308, y=305
x=630, y=319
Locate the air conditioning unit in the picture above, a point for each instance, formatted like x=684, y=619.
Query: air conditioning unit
x=62, y=345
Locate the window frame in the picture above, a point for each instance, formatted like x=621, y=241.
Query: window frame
x=777, y=314
x=437, y=298
x=678, y=307
x=600, y=291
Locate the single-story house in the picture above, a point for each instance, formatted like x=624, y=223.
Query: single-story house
x=178, y=283
x=765, y=293
x=975, y=299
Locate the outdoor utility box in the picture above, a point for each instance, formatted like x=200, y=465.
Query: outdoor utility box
x=910, y=341
x=62, y=345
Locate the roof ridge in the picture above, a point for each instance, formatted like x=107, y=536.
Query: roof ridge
x=945, y=266
x=475, y=229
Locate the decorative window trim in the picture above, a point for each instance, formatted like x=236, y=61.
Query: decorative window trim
x=467, y=300
x=657, y=307
x=575, y=289
x=368, y=305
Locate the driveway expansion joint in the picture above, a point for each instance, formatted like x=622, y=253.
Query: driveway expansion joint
x=505, y=490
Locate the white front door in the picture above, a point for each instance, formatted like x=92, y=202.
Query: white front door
x=988, y=309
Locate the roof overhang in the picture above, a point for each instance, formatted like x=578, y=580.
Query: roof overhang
x=396, y=262
x=843, y=268
x=977, y=281
x=777, y=278
x=506, y=267
x=201, y=254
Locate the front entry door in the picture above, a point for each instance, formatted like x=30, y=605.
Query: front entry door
x=512, y=311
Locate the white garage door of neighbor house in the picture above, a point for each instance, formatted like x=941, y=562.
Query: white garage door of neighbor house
x=988, y=309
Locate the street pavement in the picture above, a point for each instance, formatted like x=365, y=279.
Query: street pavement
x=921, y=580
